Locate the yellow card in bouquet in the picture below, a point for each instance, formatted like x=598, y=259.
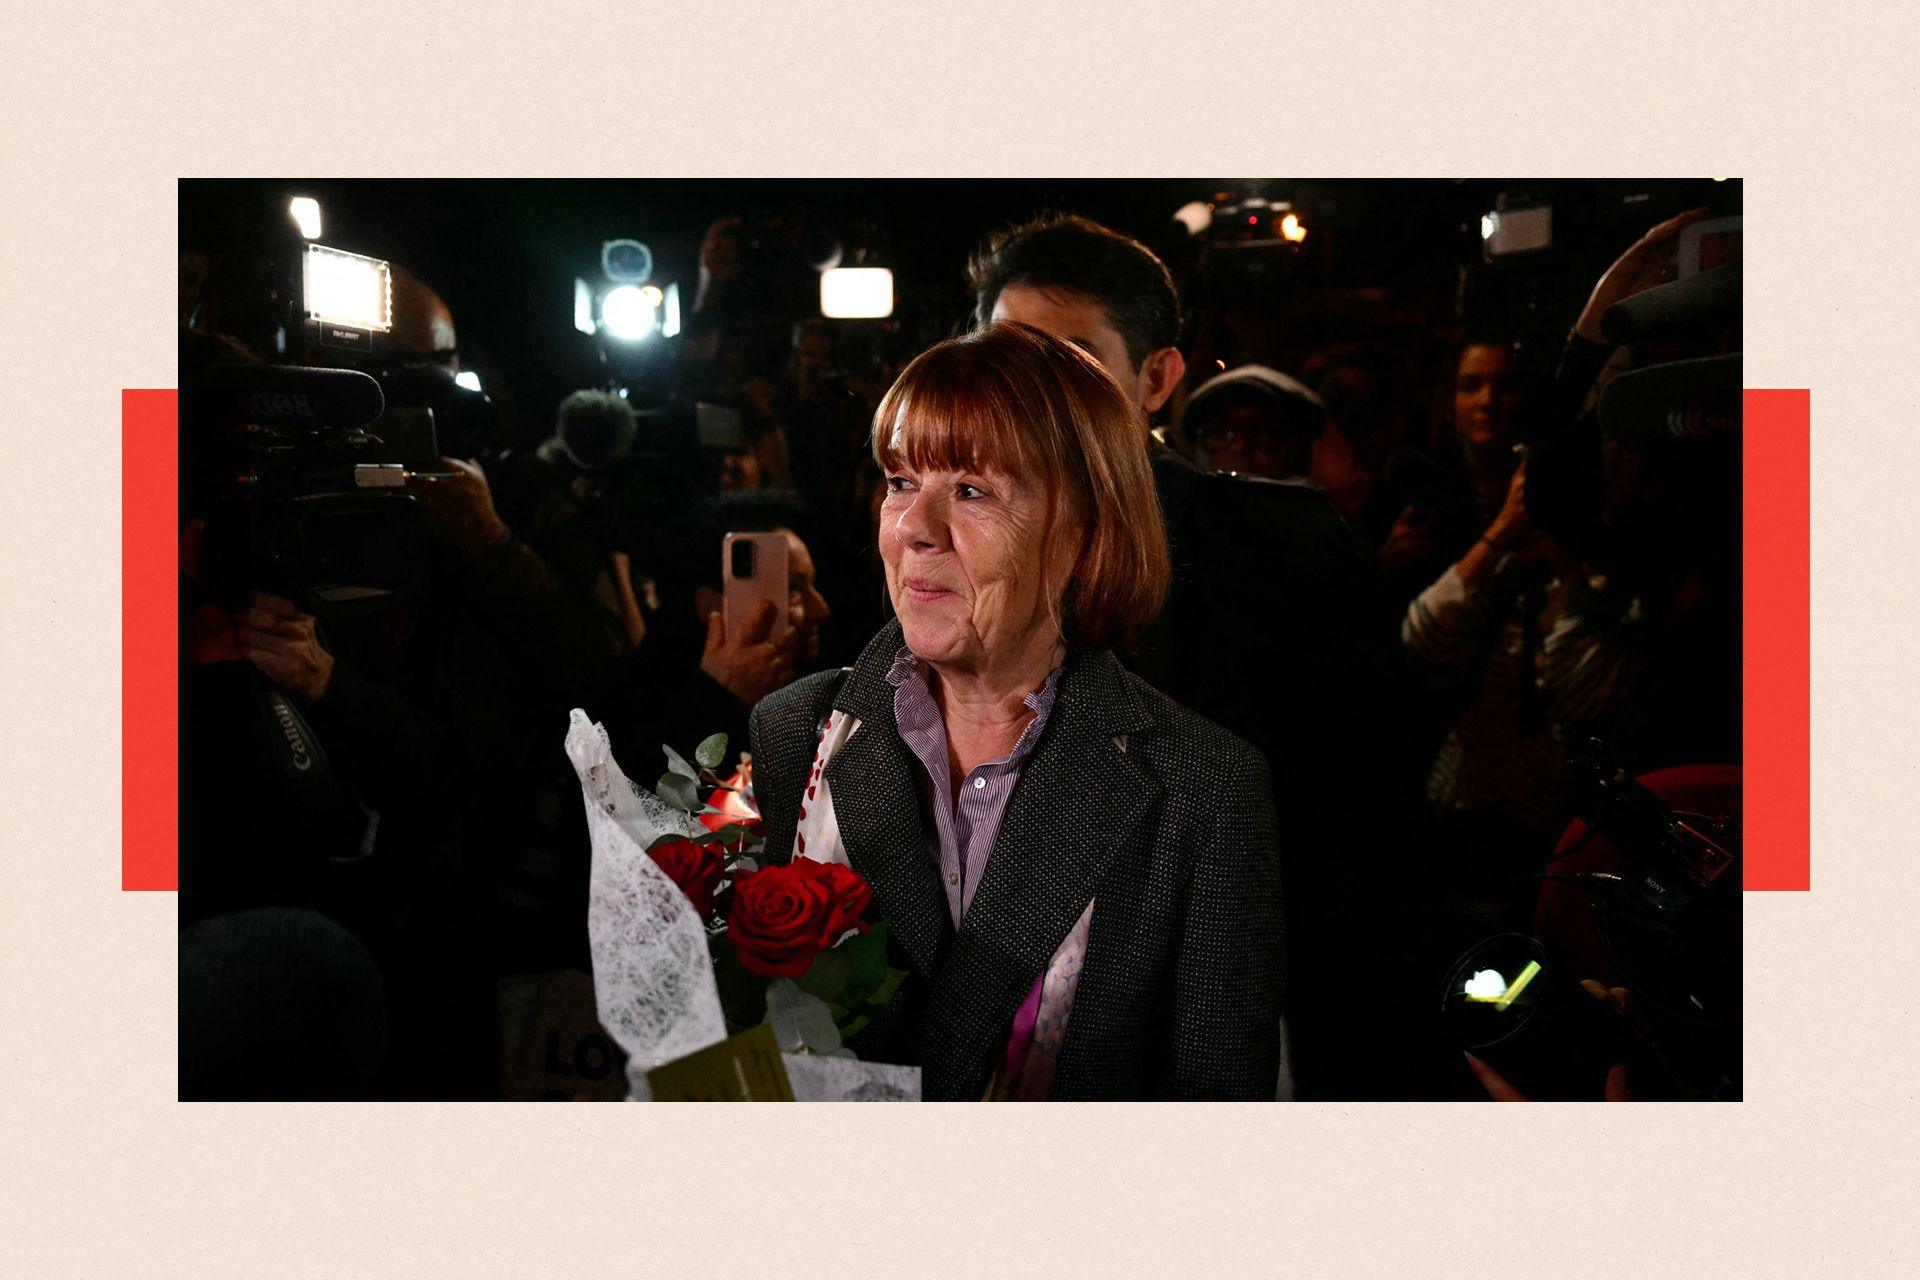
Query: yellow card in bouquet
x=742, y=1068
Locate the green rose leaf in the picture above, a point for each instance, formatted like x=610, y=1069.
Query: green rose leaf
x=883, y=995
x=867, y=955
x=828, y=976
x=743, y=997
x=711, y=751
x=678, y=790
x=676, y=763
x=800, y=1020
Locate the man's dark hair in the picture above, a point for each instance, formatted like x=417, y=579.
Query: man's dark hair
x=1069, y=252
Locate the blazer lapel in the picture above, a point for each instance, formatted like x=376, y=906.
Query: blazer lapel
x=1079, y=801
x=876, y=799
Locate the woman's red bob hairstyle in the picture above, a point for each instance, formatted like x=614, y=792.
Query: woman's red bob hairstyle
x=1012, y=399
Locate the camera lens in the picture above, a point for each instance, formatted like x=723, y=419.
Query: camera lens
x=1495, y=990
x=742, y=559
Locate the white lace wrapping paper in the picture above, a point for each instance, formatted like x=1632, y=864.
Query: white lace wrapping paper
x=652, y=975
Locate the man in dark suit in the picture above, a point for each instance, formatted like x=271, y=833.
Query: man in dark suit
x=1276, y=629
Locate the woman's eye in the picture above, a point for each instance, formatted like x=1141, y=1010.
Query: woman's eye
x=897, y=484
x=968, y=492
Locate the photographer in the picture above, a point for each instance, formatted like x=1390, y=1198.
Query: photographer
x=1445, y=500
x=1603, y=600
x=570, y=499
x=1513, y=625
x=695, y=676
x=316, y=788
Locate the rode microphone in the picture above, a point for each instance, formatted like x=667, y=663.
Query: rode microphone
x=1676, y=400
x=284, y=396
x=1698, y=302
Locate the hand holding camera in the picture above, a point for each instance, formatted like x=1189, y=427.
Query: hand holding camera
x=1649, y=261
x=459, y=507
x=278, y=638
x=1616, y=1088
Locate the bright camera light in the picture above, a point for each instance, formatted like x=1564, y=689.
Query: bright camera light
x=856, y=293
x=306, y=215
x=467, y=378
x=583, y=307
x=627, y=313
x=1486, y=985
x=346, y=288
x=1195, y=215
x=670, y=320
x=1489, y=223
x=1292, y=230
x=652, y=294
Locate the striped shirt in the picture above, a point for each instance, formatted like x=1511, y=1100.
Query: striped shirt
x=1535, y=692
x=964, y=826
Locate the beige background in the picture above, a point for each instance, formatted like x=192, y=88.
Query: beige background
x=103, y=106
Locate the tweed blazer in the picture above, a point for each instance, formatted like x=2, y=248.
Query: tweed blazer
x=1172, y=836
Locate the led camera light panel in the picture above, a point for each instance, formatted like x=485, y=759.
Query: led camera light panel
x=347, y=288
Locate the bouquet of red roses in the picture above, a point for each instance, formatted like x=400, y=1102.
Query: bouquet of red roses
x=701, y=951
x=790, y=944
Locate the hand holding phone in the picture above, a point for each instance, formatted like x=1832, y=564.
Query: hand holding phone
x=753, y=568
x=750, y=642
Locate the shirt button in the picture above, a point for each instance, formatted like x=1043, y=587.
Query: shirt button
x=979, y=783
x=953, y=877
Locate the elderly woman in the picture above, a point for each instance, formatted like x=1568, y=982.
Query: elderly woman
x=1080, y=876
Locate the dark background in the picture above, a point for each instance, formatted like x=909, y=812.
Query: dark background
x=1380, y=280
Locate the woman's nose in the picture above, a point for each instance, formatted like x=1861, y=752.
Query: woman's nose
x=923, y=522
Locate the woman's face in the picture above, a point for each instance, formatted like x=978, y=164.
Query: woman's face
x=965, y=554
x=1486, y=398
x=739, y=471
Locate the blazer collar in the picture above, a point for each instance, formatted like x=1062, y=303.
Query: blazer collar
x=1081, y=799
x=865, y=692
x=876, y=800
x=1095, y=678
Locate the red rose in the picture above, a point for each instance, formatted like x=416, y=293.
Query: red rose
x=782, y=918
x=849, y=891
x=696, y=868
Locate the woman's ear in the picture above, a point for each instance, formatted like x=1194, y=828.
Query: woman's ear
x=1159, y=376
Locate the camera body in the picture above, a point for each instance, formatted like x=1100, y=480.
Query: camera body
x=1645, y=897
x=1252, y=251
x=298, y=491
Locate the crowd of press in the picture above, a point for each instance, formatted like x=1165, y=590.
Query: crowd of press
x=1427, y=624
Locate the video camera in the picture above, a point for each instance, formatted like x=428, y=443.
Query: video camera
x=1652, y=904
x=1530, y=251
x=297, y=471
x=1646, y=481
x=1252, y=246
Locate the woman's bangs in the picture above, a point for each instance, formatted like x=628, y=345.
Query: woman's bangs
x=940, y=421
